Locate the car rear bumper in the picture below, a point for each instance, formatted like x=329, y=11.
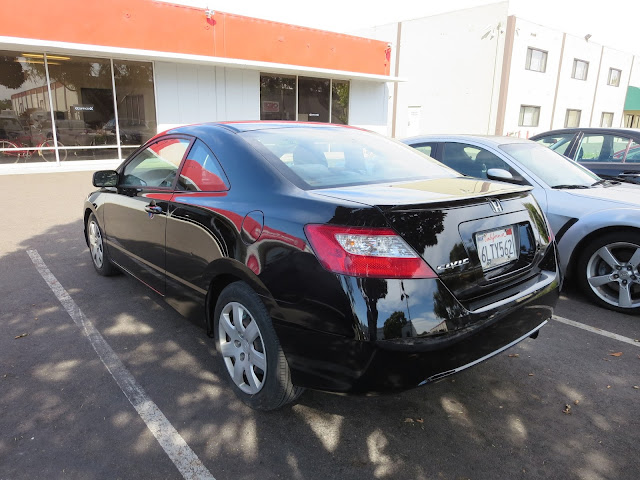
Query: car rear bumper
x=331, y=362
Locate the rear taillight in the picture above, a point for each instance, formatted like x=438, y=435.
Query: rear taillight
x=366, y=252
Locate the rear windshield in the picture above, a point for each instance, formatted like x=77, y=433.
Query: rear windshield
x=331, y=157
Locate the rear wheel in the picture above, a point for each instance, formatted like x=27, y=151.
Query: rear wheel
x=250, y=351
x=10, y=156
x=608, y=271
x=99, y=255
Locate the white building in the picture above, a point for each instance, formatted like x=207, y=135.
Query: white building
x=482, y=71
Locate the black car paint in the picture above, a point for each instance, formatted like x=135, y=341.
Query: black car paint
x=333, y=328
x=623, y=171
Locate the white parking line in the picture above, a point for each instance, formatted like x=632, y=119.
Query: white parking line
x=604, y=333
x=168, y=437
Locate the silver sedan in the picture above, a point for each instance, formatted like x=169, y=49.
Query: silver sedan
x=596, y=222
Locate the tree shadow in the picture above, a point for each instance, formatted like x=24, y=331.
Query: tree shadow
x=492, y=421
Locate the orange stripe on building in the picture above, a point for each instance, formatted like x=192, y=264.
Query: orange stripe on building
x=149, y=25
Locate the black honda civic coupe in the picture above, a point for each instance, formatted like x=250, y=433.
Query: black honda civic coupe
x=325, y=257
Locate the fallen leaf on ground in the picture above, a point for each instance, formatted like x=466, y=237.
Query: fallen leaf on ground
x=514, y=355
x=408, y=420
x=20, y=336
x=617, y=354
x=576, y=402
x=635, y=386
x=531, y=374
x=419, y=420
x=567, y=409
x=608, y=386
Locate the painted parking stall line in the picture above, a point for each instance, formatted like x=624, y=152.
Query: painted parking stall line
x=186, y=461
x=599, y=331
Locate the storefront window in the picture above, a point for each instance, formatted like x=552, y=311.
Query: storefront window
x=277, y=97
x=24, y=109
x=136, y=104
x=340, y=102
x=313, y=99
x=82, y=94
x=83, y=116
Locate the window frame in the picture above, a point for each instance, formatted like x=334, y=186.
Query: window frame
x=139, y=150
x=522, y=115
x=586, y=70
x=611, y=70
x=527, y=64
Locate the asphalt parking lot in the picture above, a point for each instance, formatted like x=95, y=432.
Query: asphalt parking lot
x=562, y=406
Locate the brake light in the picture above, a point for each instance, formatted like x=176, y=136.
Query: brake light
x=366, y=252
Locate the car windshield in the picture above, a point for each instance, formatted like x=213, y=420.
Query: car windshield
x=552, y=168
x=331, y=157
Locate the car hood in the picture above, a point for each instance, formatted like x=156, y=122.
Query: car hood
x=422, y=191
x=625, y=194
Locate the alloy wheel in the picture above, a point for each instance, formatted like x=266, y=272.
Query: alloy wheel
x=612, y=273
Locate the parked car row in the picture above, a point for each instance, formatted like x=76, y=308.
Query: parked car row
x=328, y=257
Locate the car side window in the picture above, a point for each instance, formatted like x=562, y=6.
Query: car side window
x=426, y=148
x=602, y=148
x=633, y=155
x=201, y=171
x=471, y=160
x=557, y=143
x=156, y=165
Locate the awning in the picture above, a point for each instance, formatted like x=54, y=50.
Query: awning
x=633, y=99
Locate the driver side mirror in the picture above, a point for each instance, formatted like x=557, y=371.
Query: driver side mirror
x=502, y=175
x=105, y=178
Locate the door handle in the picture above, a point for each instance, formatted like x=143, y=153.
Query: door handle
x=152, y=209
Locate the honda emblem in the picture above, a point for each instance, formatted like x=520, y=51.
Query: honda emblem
x=496, y=206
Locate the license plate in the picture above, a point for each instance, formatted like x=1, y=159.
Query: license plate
x=496, y=247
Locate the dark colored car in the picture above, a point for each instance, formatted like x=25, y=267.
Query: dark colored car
x=325, y=257
x=612, y=153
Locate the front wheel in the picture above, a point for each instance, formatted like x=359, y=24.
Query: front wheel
x=250, y=351
x=99, y=255
x=608, y=271
x=9, y=156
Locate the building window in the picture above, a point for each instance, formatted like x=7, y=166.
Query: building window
x=277, y=97
x=314, y=96
x=572, y=118
x=631, y=120
x=614, y=77
x=580, y=69
x=340, y=101
x=529, y=116
x=73, y=117
x=607, y=119
x=136, y=104
x=536, y=60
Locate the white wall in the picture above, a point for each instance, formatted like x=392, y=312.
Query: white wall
x=572, y=93
x=608, y=97
x=197, y=93
x=452, y=64
x=527, y=87
x=368, y=105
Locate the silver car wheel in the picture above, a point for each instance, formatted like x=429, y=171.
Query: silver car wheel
x=612, y=273
x=242, y=348
x=95, y=244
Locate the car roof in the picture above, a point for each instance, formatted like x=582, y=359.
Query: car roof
x=635, y=132
x=490, y=140
x=245, y=126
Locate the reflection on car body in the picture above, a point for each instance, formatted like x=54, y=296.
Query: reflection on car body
x=306, y=250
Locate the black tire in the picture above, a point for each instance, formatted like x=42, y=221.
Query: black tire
x=267, y=389
x=99, y=254
x=606, y=283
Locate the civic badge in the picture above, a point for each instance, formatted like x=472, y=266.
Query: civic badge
x=496, y=206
